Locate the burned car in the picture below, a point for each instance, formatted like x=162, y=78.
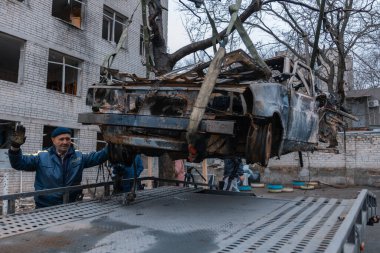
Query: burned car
x=246, y=115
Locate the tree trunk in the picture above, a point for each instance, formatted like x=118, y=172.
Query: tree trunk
x=330, y=82
x=340, y=78
x=165, y=62
x=161, y=58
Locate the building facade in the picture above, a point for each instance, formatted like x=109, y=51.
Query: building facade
x=51, y=51
x=364, y=104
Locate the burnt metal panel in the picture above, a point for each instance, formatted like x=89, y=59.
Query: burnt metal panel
x=145, y=142
x=171, y=123
x=303, y=119
x=270, y=98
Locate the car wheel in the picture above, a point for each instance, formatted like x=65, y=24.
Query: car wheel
x=266, y=144
x=259, y=142
x=251, y=150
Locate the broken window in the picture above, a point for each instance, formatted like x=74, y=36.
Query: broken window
x=11, y=58
x=113, y=25
x=47, y=143
x=70, y=11
x=6, y=129
x=63, y=73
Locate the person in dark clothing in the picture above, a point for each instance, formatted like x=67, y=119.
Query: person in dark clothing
x=58, y=166
x=233, y=173
x=121, y=171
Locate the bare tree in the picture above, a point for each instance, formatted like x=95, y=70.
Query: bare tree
x=163, y=61
x=347, y=26
x=367, y=59
x=349, y=29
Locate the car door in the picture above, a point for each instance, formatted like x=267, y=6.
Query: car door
x=303, y=117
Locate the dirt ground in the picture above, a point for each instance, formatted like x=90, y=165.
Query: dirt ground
x=372, y=244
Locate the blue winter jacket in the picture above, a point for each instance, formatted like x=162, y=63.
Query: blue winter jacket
x=52, y=171
x=129, y=172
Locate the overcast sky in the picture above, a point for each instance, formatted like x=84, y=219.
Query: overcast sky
x=177, y=35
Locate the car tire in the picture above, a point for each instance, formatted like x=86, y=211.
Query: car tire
x=259, y=143
x=266, y=144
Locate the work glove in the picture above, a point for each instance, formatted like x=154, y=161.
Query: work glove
x=18, y=137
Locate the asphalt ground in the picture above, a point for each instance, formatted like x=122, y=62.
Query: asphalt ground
x=372, y=241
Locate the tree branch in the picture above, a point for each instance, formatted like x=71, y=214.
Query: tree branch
x=292, y=2
x=204, y=44
x=287, y=45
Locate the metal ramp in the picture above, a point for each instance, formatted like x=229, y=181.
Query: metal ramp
x=175, y=219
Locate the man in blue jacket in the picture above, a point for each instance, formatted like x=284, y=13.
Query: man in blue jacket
x=121, y=171
x=58, y=166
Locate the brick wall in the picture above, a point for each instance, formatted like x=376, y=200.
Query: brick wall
x=358, y=162
x=29, y=101
x=35, y=106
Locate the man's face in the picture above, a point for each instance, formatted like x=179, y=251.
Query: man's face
x=62, y=143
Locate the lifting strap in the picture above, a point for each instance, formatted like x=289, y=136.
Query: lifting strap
x=209, y=81
x=215, y=34
x=251, y=48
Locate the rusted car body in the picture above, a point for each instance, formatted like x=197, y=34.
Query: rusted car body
x=246, y=116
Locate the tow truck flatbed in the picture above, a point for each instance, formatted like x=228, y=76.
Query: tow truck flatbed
x=179, y=219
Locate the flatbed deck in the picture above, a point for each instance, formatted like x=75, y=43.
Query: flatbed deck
x=177, y=219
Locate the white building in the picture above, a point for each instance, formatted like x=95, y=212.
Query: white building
x=50, y=52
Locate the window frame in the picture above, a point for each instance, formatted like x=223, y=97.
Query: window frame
x=100, y=142
x=82, y=14
x=111, y=25
x=21, y=60
x=6, y=132
x=63, y=64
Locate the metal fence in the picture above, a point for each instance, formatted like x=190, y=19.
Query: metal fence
x=10, y=200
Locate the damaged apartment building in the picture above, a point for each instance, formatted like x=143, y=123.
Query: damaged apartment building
x=51, y=51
